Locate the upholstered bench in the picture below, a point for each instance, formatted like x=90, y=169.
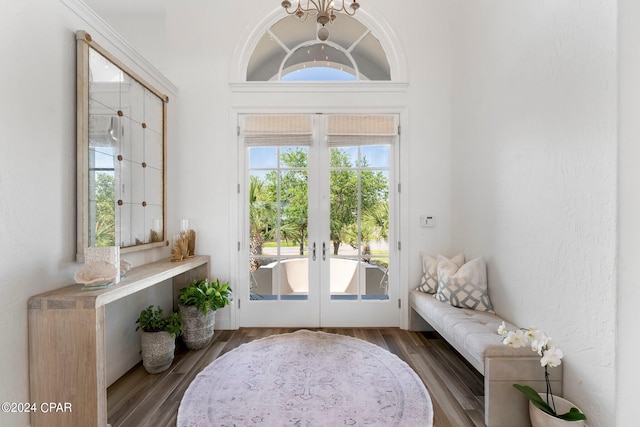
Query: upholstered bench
x=474, y=335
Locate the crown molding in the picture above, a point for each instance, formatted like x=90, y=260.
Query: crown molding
x=100, y=29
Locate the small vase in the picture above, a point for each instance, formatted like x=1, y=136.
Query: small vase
x=540, y=418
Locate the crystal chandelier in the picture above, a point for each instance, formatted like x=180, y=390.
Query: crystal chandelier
x=324, y=10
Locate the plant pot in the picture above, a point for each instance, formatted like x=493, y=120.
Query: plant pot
x=157, y=351
x=198, y=327
x=540, y=418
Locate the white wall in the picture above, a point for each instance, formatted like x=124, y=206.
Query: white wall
x=38, y=183
x=534, y=174
x=37, y=175
x=628, y=345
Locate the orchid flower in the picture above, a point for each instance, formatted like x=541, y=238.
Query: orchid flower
x=515, y=339
x=539, y=341
x=502, y=329
x=552, y=357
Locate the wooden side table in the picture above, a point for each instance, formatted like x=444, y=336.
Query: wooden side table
x=67, y=361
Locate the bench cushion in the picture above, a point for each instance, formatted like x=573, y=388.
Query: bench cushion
x=473, y=333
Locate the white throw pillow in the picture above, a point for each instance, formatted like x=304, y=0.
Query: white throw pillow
x=429, y=280
x=464, y=286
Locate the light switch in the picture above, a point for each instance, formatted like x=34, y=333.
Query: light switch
x=427, y=221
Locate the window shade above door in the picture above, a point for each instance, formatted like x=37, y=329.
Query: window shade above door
x=361, y=129
x=277, y=129
x=297, y=129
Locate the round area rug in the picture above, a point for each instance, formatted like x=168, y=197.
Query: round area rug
x=306, y=379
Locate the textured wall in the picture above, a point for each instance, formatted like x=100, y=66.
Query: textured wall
x=534, y=174
x=628, y=369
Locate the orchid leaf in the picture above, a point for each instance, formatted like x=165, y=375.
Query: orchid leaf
x=574, y=414
x=535, y=398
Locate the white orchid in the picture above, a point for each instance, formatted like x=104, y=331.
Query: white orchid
x=515, y=339
x=551, y=357
x=539, y=340
x=502, y=329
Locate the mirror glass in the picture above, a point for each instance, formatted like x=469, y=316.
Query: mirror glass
x=121, y=154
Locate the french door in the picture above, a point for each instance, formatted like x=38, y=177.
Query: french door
x=319, y=220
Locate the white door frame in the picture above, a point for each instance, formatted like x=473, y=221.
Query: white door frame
x=362, y=105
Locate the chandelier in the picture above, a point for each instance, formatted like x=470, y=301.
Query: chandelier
x=324, y=10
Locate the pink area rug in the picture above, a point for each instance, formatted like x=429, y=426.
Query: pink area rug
x=307, y=379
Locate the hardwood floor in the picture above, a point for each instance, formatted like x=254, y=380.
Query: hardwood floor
x=456, y=389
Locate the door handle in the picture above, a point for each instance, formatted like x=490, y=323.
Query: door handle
x=324, y=251
x=313, y=252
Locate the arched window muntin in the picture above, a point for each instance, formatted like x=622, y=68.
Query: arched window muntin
x=366, y=58
x=351, y=67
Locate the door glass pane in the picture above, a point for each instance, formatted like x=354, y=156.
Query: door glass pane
x=359, y=227
x=375, y=156
x=263, y=157
x=278, y=223
x=264, y=279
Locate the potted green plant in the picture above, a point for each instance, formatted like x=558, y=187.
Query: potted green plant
x=158, y=338
x=198, y=303
x=545, y=409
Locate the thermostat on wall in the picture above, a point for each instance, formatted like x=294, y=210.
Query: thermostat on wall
x=427, y=221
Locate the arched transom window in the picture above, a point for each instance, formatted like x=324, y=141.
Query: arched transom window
x=291, y=51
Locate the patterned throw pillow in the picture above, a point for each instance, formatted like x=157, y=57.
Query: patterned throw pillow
x=429, y=280
x=465, y=286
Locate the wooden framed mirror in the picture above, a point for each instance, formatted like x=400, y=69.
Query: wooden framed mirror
x=121, y=128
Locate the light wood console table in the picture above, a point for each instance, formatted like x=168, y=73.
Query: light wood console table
x=67, y=347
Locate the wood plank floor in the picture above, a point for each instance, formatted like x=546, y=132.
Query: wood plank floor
x=456, y=389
